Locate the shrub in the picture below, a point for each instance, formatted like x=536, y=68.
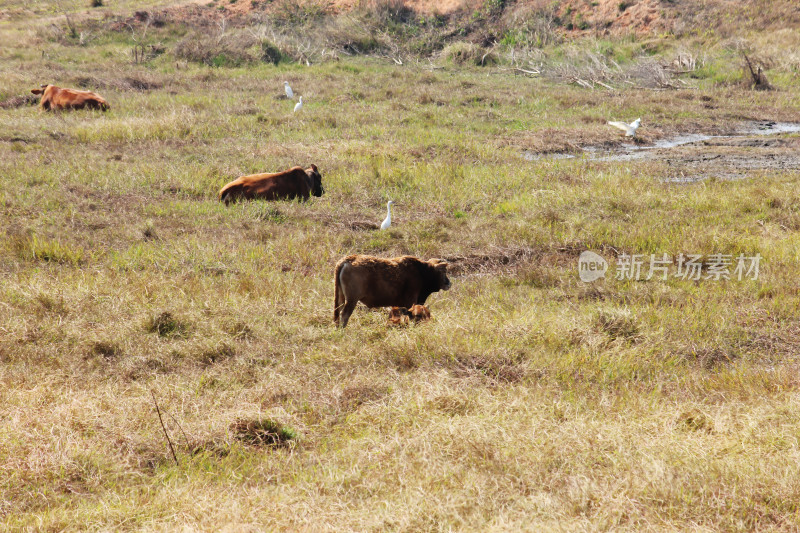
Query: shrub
x=299, y=11
x=389, y=11
x=463, y=53
x=270, y=53
x=223, y=51
x=352, y=35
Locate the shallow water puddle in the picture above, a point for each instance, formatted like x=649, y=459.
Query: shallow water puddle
x=631, y=152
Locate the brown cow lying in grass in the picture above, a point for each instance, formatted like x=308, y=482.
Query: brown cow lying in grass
x=402, y=315
x=55, y=99
x=403, y=282
x=289, y=184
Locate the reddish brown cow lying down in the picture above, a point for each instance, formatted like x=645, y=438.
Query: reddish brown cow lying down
x=377, y=282
x=402, y=315
x=289, y=184
x=55, y=98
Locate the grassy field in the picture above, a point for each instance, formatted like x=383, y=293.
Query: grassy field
x=532, y=401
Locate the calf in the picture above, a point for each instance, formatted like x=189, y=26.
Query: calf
x=376, y=282
x=55, y=99
x=289, y=184
x=402, y=315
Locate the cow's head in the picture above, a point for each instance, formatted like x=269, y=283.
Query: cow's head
x=399, y=315
x=45, y=100
x=316, y=180
x=441, y=269
x=419, y=313
x=40, y=91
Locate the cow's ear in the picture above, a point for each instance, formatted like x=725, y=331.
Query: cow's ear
x=313, y=167
x=37, y=91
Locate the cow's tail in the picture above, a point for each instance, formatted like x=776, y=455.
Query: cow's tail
x=337, y=292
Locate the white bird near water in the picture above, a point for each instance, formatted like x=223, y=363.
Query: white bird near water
x=289, y=92
x=388, y=220
x=299, y=105
x=629, y=129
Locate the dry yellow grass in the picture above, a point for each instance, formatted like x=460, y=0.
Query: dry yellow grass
x=531, y=401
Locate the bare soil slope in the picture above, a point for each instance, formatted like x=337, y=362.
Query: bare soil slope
x=593, y=16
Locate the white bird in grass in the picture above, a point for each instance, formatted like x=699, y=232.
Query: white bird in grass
x=289, y=92
x=388, y=220
x=629, y=129
x=299, y=105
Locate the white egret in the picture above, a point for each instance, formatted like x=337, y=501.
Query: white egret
x=388, y=220
x=299, y=105
x=289, y=92
x=629, y=129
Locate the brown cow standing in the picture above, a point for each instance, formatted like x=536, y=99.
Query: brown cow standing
x=377, y=282
x=55, y=99
x=289, y=184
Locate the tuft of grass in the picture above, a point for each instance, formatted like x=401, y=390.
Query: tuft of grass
x=149, y=231
x=695, y=420
x=263, y=432
x=239, y=330
x=165, y=324
x=215, y=354
x=617, y=324
x=105, y=349
x=36, y=248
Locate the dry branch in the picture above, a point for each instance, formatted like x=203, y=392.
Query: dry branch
x=172, y=448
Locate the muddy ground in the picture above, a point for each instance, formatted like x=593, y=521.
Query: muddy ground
x=758, y=147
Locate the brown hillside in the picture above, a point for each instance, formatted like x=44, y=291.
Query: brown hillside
x=579, y=16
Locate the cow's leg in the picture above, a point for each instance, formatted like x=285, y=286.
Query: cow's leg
x=349, y=306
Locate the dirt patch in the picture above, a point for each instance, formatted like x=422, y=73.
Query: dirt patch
x=765, y=146
x=613, y=16
x=509, y=259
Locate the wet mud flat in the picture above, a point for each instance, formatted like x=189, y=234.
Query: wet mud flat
x=756, y=148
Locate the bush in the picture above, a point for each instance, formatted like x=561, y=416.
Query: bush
x=224, y=51
x=298, y=11
x=270, y=53
x=389, y=11
x=463, y=53
x=352, y=35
